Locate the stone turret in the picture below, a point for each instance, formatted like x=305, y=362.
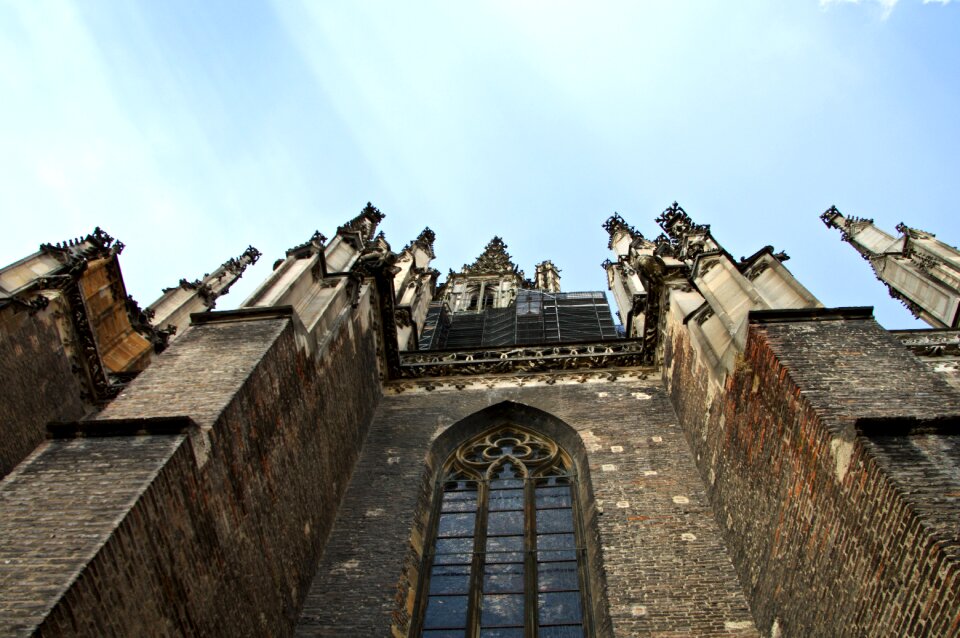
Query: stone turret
x=492, y=281
x=414, y=286
x=684, y=279
x=171, y=312
x=547, y=277
x=917, y=268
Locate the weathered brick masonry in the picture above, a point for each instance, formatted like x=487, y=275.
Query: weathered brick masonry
x=199, y=526
x=667, y=571
x=36, y=385
x=829, y=464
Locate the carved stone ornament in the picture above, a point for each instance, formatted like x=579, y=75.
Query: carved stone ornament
x=677, y=224
x=236, y=265
x=493, y=260
x=425, y=241
x=403, y=317
x=617, y=223
x=914, y=309
x=305, y=250
x=592, y=355
x=913, y=233
x=930, y=343
x=365, y=223
x=757, y=269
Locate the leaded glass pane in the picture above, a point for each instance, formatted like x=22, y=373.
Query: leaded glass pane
x=554, y=521
x=557, y=576
x=502, y=610
x=554, y=608
x=501, y=500
x=504, y=549
x=446, y=612
x=550, y=497
x=505, y=578
x=503, y=523
x=456, y=525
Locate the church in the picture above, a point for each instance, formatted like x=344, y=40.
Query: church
x=361, y=449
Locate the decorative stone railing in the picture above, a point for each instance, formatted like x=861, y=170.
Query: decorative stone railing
x=510, y=359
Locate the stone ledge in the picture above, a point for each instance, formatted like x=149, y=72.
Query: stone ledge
x=120, y=427
x=241, y=314
x=787, y=315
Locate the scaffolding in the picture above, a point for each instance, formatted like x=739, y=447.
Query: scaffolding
x=536, y=317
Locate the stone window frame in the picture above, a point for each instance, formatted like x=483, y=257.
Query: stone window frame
x=406, y=615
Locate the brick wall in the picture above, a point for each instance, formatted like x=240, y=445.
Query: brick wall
x=36, y=385
x=667, y=571
x=220, y=534
x=827, y=462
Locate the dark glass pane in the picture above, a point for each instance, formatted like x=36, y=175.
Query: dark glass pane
x=506, y=500
x=554, y=547
x=515, y=632
x=556, y=541
x=501, y=523
x=445, y=585
x=459, y=501
x=556, y=608
x=557, y=576
x=443, y=633
x=456, y=525
x=454, y=545
x=446, y=612
x=453, y=551
x=505, y=549
x=505, y=578
x=563, y=631
x=549, y=521
x=453, y=559
x=502, y=610
x=547, y=497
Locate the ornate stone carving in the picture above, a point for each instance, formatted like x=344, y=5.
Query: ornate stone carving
x=431, y=363
x=930, y=343
x=493, y=260
x=676, y=223
x=913, y=233
x=305, y=250
x=614, y=223
x=757, y=269
x=365, y=223
x=914, y=309
x=403, y=318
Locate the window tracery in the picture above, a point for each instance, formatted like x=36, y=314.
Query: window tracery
x=507, y=559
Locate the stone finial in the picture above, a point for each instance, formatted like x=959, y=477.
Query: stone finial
x=365, y=223
x=308, y=248
x=494, y=259
x=676, y=223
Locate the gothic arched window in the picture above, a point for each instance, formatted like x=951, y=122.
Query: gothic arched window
x=506, y=557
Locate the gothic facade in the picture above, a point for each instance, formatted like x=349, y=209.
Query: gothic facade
x=362, y=450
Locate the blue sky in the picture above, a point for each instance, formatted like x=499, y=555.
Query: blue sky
x=192, y=129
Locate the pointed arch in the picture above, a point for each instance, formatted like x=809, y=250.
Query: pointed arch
x=508, y=540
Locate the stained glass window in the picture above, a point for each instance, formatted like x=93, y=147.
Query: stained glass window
x=506, y=558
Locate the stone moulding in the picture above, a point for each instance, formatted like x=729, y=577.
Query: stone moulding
x=930, y=343
x=573, y=356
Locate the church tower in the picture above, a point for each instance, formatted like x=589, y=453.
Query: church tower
x=917, y=268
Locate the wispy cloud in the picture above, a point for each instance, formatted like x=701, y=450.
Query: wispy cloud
x=885, y=6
